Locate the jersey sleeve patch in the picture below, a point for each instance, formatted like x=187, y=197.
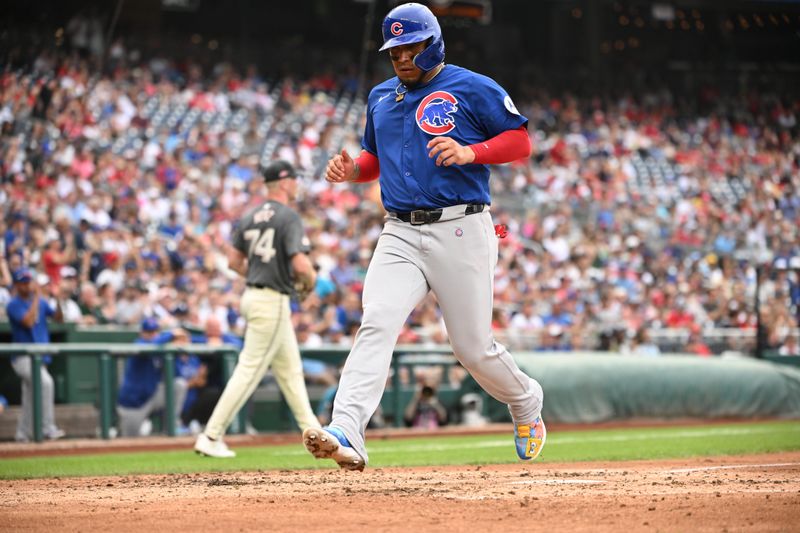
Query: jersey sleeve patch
x=510, y=105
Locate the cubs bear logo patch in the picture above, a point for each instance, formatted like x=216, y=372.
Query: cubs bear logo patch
x=435, y=113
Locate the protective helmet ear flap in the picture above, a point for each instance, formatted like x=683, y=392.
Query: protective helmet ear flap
x=431, y=56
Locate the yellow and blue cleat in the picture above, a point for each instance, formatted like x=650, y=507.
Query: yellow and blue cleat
x=529, y=439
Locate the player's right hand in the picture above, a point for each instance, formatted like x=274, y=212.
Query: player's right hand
x=341, y=167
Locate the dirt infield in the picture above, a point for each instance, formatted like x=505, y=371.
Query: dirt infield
x=742, y=493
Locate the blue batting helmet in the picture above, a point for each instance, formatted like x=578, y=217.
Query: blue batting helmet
x=414, y=23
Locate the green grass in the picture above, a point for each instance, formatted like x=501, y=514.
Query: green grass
x=567, y=446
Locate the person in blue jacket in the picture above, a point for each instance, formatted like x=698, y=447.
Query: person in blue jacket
x=142, y=390
x=28, y=312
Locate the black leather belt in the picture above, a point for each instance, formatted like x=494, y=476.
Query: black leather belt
x=262, y=286
x=429, y=216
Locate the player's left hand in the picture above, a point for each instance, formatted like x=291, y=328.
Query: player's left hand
x=448, y=152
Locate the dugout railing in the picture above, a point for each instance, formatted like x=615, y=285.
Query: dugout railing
x=409, y=356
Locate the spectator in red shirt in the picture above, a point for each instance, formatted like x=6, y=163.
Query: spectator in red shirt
x=697, y=345
x=678, y=316
x=54, y=257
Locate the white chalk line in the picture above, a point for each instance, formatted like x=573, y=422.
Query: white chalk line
x=729, y=467
x=557, y=482
x=555, y=439
x=470, y=498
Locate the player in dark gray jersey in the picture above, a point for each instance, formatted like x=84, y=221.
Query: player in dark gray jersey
x=269, y=249
x=269, y=261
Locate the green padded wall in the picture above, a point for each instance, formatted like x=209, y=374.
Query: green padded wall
x=76, y=377
x=596, y=388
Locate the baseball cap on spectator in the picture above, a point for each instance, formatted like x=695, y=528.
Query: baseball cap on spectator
x=278, y=170
x=183, y=284
x=110, y=257
x=149, y=324
x=22, y=275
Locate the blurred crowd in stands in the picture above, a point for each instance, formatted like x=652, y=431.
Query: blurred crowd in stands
x=636, y=226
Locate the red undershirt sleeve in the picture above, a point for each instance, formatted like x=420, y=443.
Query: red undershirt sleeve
x=510, y=145
x=369, y=167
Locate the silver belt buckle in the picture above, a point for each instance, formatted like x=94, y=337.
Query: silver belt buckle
x=418, y=217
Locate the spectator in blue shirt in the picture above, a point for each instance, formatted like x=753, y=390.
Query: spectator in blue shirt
x=172, y=228
x=725, y=243
x=558, y=315
x=28, y=313
x=142, y=390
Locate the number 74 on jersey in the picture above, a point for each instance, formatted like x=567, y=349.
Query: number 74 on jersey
x=261, y=243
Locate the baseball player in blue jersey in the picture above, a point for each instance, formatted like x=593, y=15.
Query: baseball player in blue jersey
x=430, y=133
x=142, y=391
x=28, y=312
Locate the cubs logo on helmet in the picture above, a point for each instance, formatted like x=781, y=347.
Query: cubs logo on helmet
x=435, y=113
x=397, y=28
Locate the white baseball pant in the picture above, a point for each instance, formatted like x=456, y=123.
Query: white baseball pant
x=269, y=341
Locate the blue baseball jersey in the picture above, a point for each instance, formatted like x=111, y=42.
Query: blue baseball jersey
x=17, y=309
x=457, y=103
x=142, y=374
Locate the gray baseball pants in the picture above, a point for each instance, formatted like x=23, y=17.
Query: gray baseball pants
x=131, y=418
x=455, y=258
x=22, y=366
